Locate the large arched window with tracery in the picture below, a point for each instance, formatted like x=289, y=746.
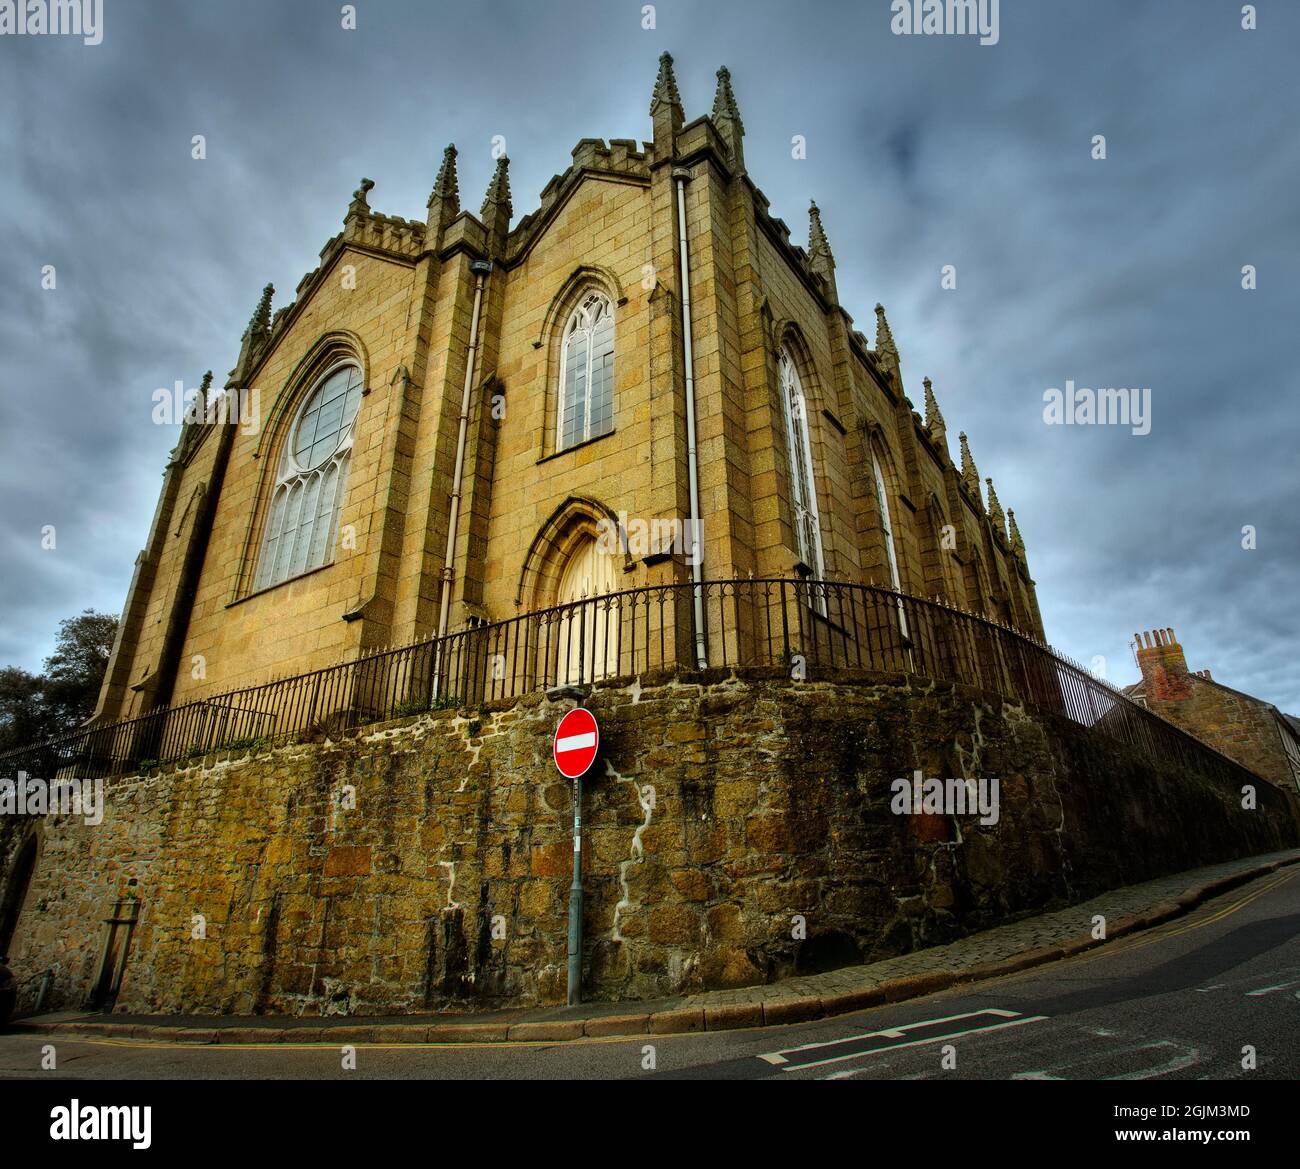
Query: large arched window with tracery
x=803, y=489
x=311, y=480
x=586, y=398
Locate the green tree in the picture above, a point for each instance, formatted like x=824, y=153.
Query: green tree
x=34, y=707
x=75, y=670
x=23, y=715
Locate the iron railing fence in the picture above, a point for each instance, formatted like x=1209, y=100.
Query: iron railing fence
x=805, y=627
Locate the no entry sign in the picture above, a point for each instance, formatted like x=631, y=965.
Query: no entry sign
x=577, y=739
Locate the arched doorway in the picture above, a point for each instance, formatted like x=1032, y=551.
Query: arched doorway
x=15, y=892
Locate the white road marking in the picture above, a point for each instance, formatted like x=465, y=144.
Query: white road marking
x=1189, y=1058
x=887, y=1033
x=1012, y=1019
x=849, y=1073
x=1270, y=989
x=916, y=1043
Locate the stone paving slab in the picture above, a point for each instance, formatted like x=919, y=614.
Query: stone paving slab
x=1003, y=950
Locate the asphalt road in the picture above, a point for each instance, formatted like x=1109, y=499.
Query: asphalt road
x=1179, y=1002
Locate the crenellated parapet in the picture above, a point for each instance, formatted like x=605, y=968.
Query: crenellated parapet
x=385, y=233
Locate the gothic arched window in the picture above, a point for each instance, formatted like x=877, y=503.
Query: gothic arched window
x=311, y=480
x=886, y=524
x=887, y=529
x=803, y=489
x=587, y=373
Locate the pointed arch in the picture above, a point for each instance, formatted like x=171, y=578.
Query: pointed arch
x=573, y=523
x=584, y=276
x=790, y=338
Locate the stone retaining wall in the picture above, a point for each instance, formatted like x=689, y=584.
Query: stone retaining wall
x=724, y=812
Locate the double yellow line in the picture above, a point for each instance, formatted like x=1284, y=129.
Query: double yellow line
x=1161, y=933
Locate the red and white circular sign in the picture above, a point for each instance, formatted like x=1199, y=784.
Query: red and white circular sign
x=577, y=739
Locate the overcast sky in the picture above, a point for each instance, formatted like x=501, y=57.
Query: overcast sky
x=922, y=151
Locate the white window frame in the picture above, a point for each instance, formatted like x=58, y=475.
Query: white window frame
x=580, y=318
x=291, y=476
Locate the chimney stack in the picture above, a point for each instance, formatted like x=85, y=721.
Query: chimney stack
x=1164, y=668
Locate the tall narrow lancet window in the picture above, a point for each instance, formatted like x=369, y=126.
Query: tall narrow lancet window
x=887, y=527
x=311, y=480
x=886, y=524
x=587, y=373
x=803, y=490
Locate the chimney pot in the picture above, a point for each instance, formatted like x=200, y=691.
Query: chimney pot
x=1164, y=668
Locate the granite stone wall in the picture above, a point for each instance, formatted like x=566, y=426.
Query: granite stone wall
x=424, y=864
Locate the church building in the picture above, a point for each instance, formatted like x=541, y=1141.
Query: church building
x=454, y=410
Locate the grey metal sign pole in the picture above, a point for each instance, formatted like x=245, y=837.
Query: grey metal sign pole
x=575, y=901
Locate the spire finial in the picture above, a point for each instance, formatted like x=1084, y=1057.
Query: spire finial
x=497, y=207
x=969, y=473
x=446, y=185
x=498, y=191
x=666, y=108
x=444, y=199
x=933, y=419
x=995, y=509
x=260, y=323
x=886, y=350
x=726, y=117
x=1017, y=544
x=665, y=85
x=255, y=336
x=819, y=248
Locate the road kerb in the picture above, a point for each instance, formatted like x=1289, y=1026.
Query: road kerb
x=731, y=1016
x=598, y=1028
x=556, y=1031
x=792, y=1010
x=677, y=1021
x=466, y=1033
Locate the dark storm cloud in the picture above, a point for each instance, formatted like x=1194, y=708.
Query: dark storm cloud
x=921, y=152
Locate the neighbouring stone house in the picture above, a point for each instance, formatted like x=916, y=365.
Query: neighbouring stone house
x=1253, y=732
